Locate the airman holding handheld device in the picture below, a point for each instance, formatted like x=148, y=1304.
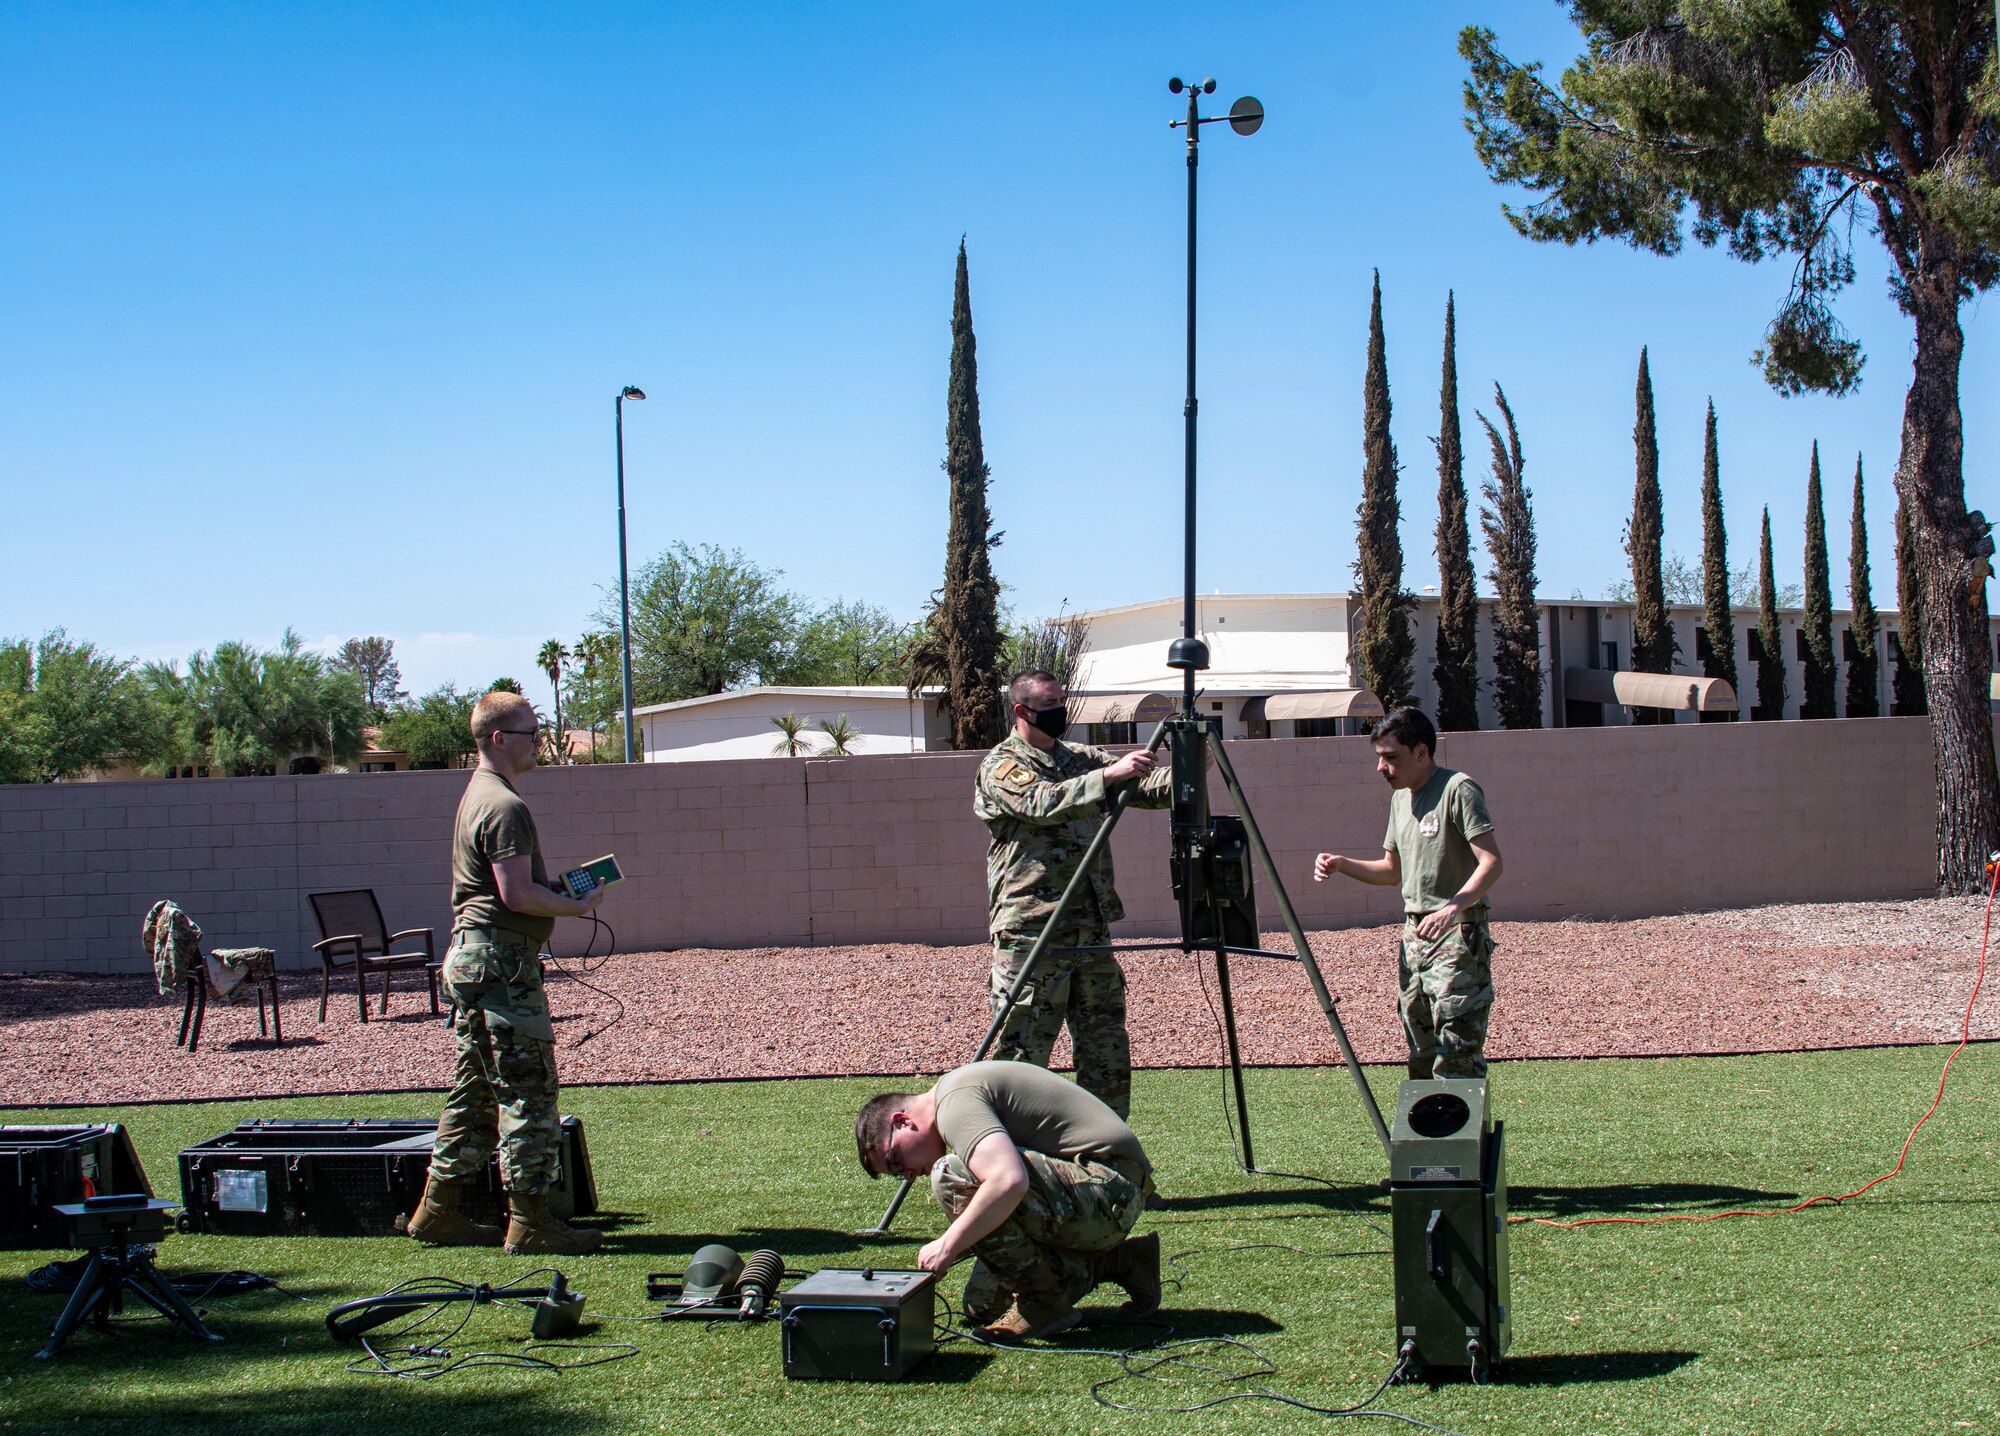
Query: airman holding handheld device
x=504, y=1090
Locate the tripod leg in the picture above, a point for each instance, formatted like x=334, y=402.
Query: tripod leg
x=1007, y=1006
x=1298, y=936
x=1235, y=1056
x=89, y=1291
x=881, y=1228
x=163, y=1296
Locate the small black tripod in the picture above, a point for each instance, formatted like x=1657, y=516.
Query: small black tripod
x=116, y=1229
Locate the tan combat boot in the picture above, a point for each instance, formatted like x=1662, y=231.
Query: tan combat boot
x=1040, y=1309
x=533, y=1231
x=438, y=1220
x=986, y=1297
x=1135, y=1265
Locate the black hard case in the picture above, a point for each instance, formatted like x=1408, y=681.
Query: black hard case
x=862, y=1325
x=345, y=1177
x=40, y=1166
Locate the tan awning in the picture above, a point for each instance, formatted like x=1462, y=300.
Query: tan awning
x=1649, y=690
x=1120, y=707
x=1335, y=703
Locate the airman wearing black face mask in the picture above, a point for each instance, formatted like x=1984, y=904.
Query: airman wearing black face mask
x=1042, y=800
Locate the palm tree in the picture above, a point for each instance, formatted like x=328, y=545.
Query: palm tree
x=840, y=737
x=592, y=652
x=793, y=743
x=550, y=659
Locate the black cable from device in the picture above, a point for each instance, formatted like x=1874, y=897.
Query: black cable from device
x=1177, y=1357
x=584, y=961
x=433, y=1359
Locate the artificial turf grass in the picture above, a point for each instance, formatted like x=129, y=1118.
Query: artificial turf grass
x=1861, y=1318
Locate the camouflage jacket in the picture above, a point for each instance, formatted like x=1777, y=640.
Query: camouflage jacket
x=1042, y=810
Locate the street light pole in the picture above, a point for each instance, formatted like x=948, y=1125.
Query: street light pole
x=624, y=596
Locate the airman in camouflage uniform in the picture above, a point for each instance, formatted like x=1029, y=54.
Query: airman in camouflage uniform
x=506, y=1045
x=1440, y=849
x=1042, y=1183
x=504, y=1091
x=1043, y=800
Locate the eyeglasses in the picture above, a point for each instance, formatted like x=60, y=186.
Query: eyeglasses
x=886, y=1162
x=521, y=732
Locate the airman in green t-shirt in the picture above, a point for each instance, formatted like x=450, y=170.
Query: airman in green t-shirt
x=1043, y=1183
x=504, y=1088
x=1440, y=849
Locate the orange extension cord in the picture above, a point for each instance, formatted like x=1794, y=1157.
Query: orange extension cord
x=1965, y=1036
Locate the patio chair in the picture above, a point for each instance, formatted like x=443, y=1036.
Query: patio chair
x=173, y=941
x=352, y=934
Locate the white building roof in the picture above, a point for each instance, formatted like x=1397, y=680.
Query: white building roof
x=878, y=691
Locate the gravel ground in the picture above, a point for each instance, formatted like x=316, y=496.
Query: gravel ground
x=1761, y=980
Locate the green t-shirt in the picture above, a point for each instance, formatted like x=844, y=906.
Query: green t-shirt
x=1431, y=831
x=1039, y=1112
x=493, y=822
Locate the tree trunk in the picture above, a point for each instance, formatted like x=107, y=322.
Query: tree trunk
x=1958, y=663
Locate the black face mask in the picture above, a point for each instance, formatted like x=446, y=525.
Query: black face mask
x=1052, y=721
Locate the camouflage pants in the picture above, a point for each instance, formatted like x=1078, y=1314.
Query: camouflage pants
x=1085, y=990
x=504, y=1086
x=1070, y=1211
x=1447, y=996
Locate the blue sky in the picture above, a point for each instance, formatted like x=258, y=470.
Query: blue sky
x=314, y=313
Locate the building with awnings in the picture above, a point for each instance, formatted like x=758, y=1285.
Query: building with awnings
x=1279, y=669
x=1280, y=663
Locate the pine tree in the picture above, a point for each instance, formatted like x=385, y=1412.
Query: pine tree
x=1383, y=650
x=1721, y=660
x=962, y=644
x=1509, y=525
x=1653, y=642
x=1770, y=637
x=1911, y=695
x=1773, y=129
x=1457, y=670
x=1816, y=695
x=1863, y=696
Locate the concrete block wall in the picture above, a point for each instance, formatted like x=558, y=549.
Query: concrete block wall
x=1606, y=822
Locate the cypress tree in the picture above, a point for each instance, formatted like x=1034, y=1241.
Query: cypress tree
x=1863, y=697
x=1383, y=650
x=1457, y=670
x=961, y=645
x=1653, y=643
x=1770, y=637
x=1816, y=695
x=1509, y=525
x=1911, y=699
x=1721, y=623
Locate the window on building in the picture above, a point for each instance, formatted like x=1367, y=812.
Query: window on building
x=1756, y=648
x=1316, y=728
x=1703, y=649
x=1611, y=655
x=1895, y=646
x=1111, y=734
